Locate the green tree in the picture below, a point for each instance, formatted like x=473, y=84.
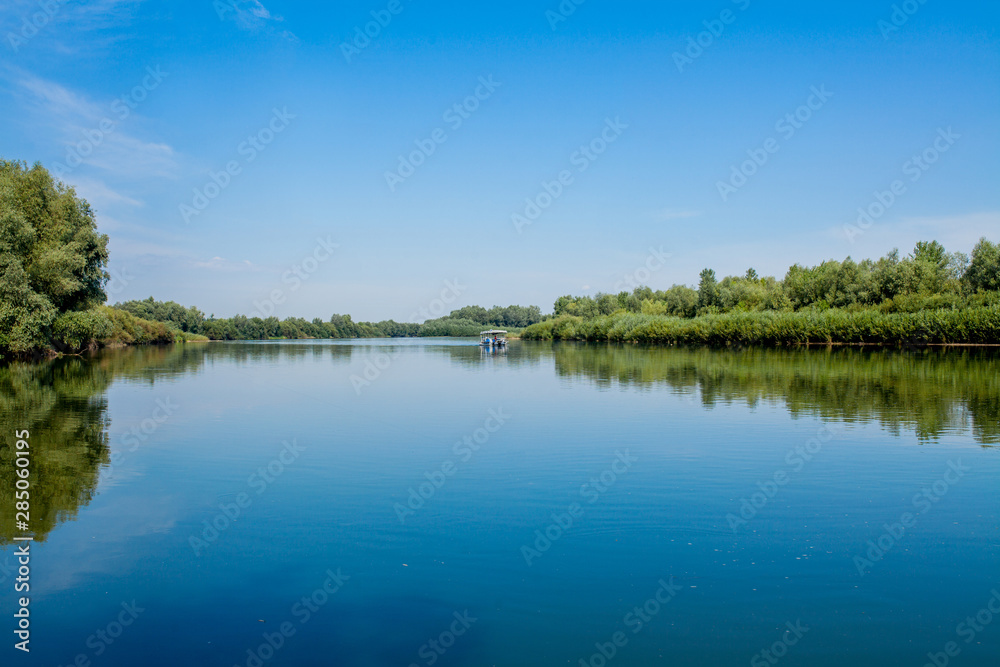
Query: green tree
x=52, y=258
x=708, y=289
x=473, y=313
x=983, y=272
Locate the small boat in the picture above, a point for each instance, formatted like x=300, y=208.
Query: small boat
x=493, y=338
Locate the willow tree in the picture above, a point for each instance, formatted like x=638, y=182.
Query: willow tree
x=52, y=258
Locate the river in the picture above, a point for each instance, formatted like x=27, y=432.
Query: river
x=424, y=502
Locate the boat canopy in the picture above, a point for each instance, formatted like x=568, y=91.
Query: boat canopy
x=492, y=331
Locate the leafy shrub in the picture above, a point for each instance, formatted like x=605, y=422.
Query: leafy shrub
x=127, y=329
x=451, y=327
x=79, y=329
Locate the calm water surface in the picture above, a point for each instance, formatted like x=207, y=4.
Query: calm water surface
x=557, y=503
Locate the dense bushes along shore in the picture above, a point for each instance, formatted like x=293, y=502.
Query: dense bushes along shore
x=979, y=325
x=928, y=297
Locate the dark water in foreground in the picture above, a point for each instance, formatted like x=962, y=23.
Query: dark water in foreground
x=199, y=505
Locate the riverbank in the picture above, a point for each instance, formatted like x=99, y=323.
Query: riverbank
x=863, y=327
x=77, y=332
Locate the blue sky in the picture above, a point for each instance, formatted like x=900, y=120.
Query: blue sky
x=142, y=101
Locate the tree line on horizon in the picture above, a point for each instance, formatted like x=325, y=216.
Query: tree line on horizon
x=926, y=279
x=466, y=321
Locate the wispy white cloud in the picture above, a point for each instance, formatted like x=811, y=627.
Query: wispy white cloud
x=89, y=133
x=98, y=194
x=66, y=27
x=56, y=100
x=97, y=15
x=251, y=15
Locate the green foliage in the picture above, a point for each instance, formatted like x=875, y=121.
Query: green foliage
x=708, y=292
x=513, y=317
x=472, y=314
x=52, y=258
x=467, y=321
x=106, y=326
x=127, y=329
x=983, y=272
x=80, y=329
x=451, y=327
x=184, y=319
x=750, y=309
x=967, y=325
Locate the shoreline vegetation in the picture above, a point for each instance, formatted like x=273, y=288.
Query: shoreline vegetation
x=973, y=326
x=930, y=297
x=53, y=275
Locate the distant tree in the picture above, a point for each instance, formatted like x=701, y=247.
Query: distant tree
x=983, y=272
x=473, y=313
x=607, y=303
x=931, y=252
x=562, y=304
x=708, y=290
x=186, y=319
x=681, y=300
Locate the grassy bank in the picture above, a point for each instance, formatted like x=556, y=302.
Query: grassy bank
x=833, y=326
